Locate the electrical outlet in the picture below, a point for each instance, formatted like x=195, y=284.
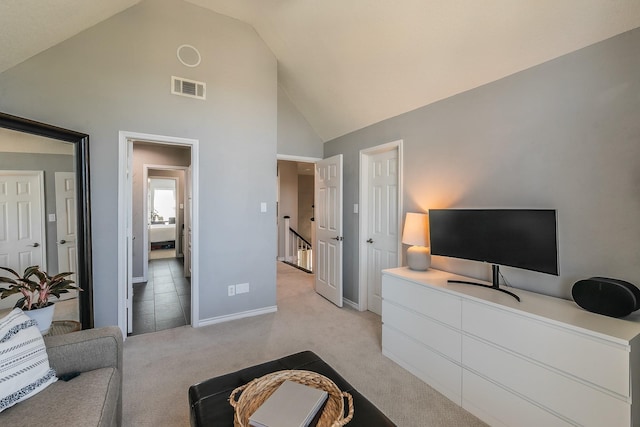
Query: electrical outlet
x=232, y=290
x=242, y=288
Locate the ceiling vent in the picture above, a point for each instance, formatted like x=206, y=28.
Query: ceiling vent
x=190, y=88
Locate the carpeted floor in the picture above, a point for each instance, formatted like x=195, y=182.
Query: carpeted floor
x=159, y=367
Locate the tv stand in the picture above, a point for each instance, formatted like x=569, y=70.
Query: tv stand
x=526, y=364
x=495, y=270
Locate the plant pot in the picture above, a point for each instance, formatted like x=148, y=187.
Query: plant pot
x=43, y=316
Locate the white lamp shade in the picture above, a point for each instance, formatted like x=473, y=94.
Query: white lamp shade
x=415, y=229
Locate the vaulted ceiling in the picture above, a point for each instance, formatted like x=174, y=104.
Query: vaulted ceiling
x=349, y=63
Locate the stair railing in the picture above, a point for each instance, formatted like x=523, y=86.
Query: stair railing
x=297, y=249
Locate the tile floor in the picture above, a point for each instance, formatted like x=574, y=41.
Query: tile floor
x=164, y=301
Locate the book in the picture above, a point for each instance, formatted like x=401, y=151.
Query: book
x=291, y=405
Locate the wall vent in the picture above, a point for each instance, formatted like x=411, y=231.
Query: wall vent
x=190, y=88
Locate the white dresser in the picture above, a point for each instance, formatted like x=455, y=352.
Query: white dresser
x=543, y=361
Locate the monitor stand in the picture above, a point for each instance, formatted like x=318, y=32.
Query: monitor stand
x=495, y=270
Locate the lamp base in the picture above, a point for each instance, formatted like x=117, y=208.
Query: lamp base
x=418, y=258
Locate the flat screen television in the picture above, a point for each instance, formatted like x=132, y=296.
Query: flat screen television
x=521, y=238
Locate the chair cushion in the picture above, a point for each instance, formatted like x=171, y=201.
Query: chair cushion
x=24, y=363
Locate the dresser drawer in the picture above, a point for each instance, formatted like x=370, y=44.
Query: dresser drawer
x=561, y=394
x=432, y=368
x=499, y=407
x=438, y=337
x=566, y=350
x=435, y=304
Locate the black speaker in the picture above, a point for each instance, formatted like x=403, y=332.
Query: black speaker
x=603, y=295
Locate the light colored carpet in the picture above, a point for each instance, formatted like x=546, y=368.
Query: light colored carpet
x=159, y=367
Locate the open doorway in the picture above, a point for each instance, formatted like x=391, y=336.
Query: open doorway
x=157, y=214
x=161, y=288
x=162, y=217
x=296, y=231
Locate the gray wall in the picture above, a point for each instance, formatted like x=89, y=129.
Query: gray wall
x=50, y=164
x=296, y=137
x=562, y=135
x=116, y=76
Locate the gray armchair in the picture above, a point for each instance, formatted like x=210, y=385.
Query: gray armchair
x=93, y=398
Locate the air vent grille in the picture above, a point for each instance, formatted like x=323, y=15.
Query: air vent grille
x=190, y=88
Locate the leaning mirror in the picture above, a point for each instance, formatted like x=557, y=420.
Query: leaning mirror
x=48, y=225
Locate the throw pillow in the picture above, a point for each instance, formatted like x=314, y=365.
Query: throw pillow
x=24, y=363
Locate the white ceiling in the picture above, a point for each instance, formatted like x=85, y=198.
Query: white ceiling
x=347, y=64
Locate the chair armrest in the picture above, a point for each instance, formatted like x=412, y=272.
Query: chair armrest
x=85, y=350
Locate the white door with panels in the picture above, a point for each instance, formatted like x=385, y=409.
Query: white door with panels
x=382, y=223
x=66, y=227
x=328, y=221
x=22, y=237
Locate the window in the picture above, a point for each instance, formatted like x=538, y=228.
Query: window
x=162, y=200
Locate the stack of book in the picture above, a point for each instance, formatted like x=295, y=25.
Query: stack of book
x=291, y=405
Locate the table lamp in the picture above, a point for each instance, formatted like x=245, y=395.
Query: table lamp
x=415, y=234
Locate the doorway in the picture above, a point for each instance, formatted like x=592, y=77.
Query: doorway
x=295, y=212
x=157, y=293
x=165, y=205
x=163, y=225
x=380, y=220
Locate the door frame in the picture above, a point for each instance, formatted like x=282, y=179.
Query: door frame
x=145, y=207
x=363, y=288
x=125, y=180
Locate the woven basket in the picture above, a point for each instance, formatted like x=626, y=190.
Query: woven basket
x=257, y=391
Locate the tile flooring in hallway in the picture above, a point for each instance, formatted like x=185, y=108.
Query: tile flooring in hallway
x=164, y=301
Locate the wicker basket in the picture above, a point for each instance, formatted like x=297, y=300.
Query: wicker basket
x=257, y=391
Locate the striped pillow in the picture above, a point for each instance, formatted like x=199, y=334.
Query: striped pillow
x=24, y=364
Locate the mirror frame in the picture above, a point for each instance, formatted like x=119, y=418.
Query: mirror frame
x=83, y=202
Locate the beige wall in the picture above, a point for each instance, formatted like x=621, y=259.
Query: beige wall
x=305, y=206
x=287, y=200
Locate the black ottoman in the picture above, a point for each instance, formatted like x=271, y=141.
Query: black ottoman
x=209, y=400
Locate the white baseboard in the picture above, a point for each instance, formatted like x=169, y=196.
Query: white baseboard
x=138, y=279
x=234, y=316
x=350, y=304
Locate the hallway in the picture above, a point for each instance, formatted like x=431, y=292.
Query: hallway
x=164, y=301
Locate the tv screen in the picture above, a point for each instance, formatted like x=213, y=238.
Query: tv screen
x=522, y=238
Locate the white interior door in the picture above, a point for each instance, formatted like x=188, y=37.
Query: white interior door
x=66, y=227
x=382, y=223
x=328, y=221
x=22, y=238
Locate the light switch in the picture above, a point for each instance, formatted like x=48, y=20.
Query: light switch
x=355, y=208
x=263, y=207
x=52, y=217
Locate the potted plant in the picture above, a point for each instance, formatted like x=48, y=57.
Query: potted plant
x=36, y=287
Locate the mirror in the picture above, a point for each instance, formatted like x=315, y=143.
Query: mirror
x=57, y=162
